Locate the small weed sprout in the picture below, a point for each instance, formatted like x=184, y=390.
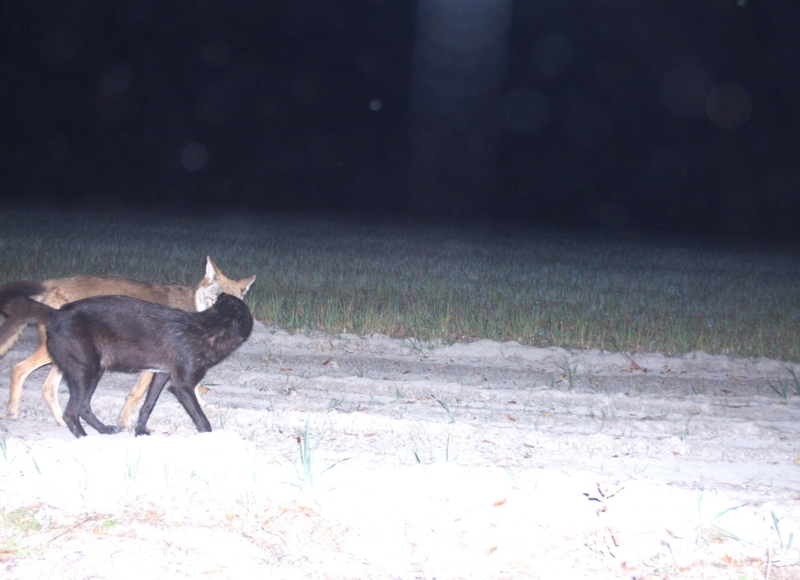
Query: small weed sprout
x=783, y=388
x=608, y=413
x=796, y=380
x=783, y=391
x=447, y=449
x=305, y=473
x=132, y=466
x=789, y=540
x=413, y=344
x=223, y=420
x=446, y=408
x=568, y=374
x=685, y=433
x=335, y=403
x=448, y=452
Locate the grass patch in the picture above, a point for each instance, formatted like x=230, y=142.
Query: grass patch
x=22, y=521
x=431, y=285
x=15, y=526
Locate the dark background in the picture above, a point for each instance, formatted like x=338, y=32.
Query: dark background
x=627, y=115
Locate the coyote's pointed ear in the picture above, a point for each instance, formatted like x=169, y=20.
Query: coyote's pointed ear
x=212, y=272
x=245, y=283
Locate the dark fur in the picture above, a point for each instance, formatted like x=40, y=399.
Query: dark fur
x=14, y=306
x=120, y=333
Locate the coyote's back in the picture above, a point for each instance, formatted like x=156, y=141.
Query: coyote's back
x=57, y=293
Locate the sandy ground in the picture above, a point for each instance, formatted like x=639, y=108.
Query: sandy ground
x=480, y=460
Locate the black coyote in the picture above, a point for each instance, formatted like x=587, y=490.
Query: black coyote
x=121, y=333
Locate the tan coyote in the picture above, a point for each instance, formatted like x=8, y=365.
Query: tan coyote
x=61, y=291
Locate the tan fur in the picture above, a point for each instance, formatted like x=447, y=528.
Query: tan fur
x=65, y=290
x=11, y=338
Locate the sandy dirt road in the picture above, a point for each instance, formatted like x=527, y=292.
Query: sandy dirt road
x=345, y=457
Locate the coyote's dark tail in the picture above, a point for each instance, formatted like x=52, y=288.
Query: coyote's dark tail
x=20, y=311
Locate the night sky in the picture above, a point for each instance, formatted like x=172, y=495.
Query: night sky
x=626, y=115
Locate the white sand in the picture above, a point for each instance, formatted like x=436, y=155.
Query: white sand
x=482, y=460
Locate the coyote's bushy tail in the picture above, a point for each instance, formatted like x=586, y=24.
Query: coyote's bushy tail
x=20, y=311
